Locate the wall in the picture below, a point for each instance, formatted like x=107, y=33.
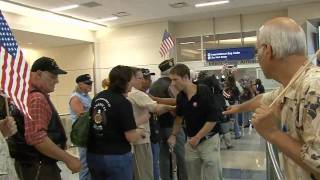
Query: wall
x=132, y=46
x=76, y=60
x=42, y=26
x=302, y=13
x=231, y=24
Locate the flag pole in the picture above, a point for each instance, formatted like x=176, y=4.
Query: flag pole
x=7, y=105
x=6, y=102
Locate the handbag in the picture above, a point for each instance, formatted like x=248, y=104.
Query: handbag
x=80, y=130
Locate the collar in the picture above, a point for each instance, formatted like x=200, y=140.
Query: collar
x=291, y=92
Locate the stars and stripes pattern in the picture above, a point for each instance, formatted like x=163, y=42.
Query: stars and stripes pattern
x=225, y=94
x=166, y=44
x=15, y=71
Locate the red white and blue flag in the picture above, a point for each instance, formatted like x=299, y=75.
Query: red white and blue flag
x=166, y=44
x=14, y=70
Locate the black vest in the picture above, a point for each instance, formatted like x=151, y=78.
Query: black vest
x=23, y=152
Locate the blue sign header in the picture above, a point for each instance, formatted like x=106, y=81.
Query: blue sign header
x=242, y=53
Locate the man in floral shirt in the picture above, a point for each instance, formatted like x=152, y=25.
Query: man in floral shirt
x=281, y=46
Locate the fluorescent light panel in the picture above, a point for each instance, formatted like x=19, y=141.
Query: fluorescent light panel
x=183, y=43
x=63, y=8
x=29, y=12
x=107, y=19
x=213, y=3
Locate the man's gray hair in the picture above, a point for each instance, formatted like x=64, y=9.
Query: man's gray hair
x=284, y=40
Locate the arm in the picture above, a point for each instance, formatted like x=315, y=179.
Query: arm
x=176, y=128
x=250, y=105
x=168, y=101
x=291, y=147
x=177, y=125
x=142, y=119
x=8, y=127
x=48, y=148
x=76, y=105
x=134, y=135
x=161, y=109
x=303, y=152
x=208, y=126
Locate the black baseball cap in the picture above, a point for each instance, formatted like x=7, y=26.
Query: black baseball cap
x=146, y=72
x=47, y=64
x=85, y=78
x=166, y=65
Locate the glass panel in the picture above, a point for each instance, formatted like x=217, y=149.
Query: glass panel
x=189, y=49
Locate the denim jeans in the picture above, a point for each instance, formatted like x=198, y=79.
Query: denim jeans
x=165, y=155
x=110, y=167
x=155, y=154
x=84, y=171
x=236, y=126
x=246, y=118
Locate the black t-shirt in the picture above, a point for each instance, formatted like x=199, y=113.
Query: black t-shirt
x=111, y=116
x=160, y=88
x=198, y=110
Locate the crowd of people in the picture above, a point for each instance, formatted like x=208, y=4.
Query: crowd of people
x=137, y=128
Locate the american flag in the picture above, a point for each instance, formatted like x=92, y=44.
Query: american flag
x=226, y=95
x=15, y=72
x=166, y=44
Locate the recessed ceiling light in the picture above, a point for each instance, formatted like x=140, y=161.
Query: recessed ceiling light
x=29, y=43
x=183, y=43
x=63, y=8
x=213, y=3
x=107, y=19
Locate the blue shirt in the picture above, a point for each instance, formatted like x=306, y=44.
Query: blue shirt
x=85, y=101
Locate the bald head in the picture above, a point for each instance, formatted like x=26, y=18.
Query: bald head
x=284, y=35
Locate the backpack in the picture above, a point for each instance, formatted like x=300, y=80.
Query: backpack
x=80, y=130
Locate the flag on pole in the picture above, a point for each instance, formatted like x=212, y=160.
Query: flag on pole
x=15, y=72
x=166, y=44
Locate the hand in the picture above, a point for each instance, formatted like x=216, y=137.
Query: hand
x=264, y=121
x=171, y=141
x=194, y=141
x=173, y=110
x=141, y=132
x=73, y=164
x=232, y=110
x=8, y=126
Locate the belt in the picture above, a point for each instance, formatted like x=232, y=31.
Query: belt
x=208, y=136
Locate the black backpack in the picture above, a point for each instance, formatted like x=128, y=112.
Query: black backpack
x=218, y=98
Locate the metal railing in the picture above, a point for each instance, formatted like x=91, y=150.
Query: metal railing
x=274, y=161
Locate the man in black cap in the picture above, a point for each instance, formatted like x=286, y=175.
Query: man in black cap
x=43, y=140
x=79, y=103
x=162, y=89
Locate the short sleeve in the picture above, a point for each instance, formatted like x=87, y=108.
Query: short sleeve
x=143, y=100
x=126, y=118
x=267, y=98
x=310, y=118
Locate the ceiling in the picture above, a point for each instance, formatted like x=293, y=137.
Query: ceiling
x=35, y=40
x=142, y=11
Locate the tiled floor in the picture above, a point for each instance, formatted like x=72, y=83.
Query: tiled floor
x=246, y=161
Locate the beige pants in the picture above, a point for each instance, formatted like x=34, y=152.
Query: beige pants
x=203, y=162
x=142, y=162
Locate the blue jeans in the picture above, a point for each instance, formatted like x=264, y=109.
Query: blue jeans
x=155, y=154
x=84, y=171
x=236, y=125
x=110, y=167
x=246, y=118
